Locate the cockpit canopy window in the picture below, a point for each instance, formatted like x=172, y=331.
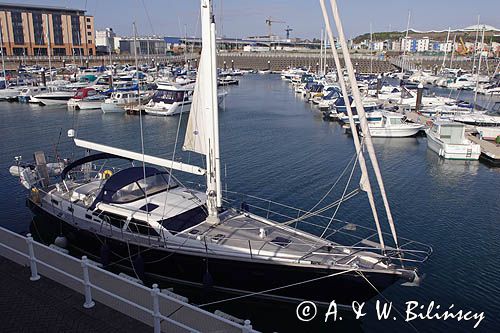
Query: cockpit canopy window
x=132, y=184
x=142, y=187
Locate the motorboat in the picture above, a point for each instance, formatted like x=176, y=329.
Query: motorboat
x=118, y=100
x=227, y=80
x=170, y=99
x=86, y=99
x=10, y=93
x=393, y=125
x=56, y=97
x=489, y=89
x=26, y=94
x=329, y=100
x=468, y=81
x=448, y=140
x=370, y=105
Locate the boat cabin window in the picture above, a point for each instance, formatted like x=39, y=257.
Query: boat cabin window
x=452, y=134
x=79, y=94
x=169, y=96
x=113, y=219
x=185, y=220
x=139, y=189
x=396, y=121
x=142, y=227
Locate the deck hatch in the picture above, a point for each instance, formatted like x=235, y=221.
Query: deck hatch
x=149, y=207
x=281, y=241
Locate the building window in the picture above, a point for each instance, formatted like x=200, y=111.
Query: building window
x=77, y=51
x=75, y=30
x=40, y=51
x=19, y=51
x=59, y=51
x=89, y=42
x=89, y=33
x=38, y=28
x=17, y=27
x=57, y=29
x=88, y=19
x=89, y=27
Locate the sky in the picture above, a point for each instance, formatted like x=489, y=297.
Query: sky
x=242, y=18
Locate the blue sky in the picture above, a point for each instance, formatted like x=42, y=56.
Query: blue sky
x=241, y=18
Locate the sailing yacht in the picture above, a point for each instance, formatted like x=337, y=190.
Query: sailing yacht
x=169, y=232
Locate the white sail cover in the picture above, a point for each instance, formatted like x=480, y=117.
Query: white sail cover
x=199, y=117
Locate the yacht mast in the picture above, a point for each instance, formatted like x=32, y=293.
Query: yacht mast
x=362, y=118
x=475, y=45
x=365, y=181
x=3, y=61
x=320, y=68
x=453, y=51
x=48, y=48
x=446, y=48
x=209, y=93
x=478, y=67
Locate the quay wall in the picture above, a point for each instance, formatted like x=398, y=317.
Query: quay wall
x=362, y=63
x=261, y=60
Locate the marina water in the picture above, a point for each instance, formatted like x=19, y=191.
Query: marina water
x=276, y=146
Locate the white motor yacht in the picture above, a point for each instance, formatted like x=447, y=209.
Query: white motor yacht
x=448, y=140
x=10, y=92
x=118, y=100
x=393, y=125
x=86, y=99
x=170, y=99
x=27, y=93
x=57, y=97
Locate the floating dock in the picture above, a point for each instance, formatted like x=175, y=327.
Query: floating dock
x=490, y=151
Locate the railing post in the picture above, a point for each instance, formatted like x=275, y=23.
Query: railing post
x=89, y=303
x=247, y=326
x=156, y=308
x=31, y=252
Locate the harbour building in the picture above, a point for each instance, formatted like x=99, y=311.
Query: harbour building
x=36, y=30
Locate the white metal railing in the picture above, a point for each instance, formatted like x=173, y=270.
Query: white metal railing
x=148, y=305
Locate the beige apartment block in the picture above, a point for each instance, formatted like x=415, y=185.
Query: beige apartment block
x=35, y=30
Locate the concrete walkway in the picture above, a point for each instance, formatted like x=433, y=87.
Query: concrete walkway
x=46, y=306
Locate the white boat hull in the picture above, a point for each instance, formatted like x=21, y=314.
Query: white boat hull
x=112, y=108
x=164, y=109
x=89, y=105
x=49, y=101
x=470, y=151
x=395, y=132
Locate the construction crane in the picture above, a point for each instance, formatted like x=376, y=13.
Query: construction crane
x=464, y=50
x=288, y=29
x=269, y=22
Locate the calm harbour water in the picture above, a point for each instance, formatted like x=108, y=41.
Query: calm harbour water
x=276, y=146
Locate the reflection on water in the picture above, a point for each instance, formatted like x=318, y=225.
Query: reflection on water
x=274, y=145
x=450, y=170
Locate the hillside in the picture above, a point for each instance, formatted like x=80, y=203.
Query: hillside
x=467, y=36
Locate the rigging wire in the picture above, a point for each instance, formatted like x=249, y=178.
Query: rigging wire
x=311, y=212
x=387, y=300
x=343, y=194
x=148, y=17
x=277, y=288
